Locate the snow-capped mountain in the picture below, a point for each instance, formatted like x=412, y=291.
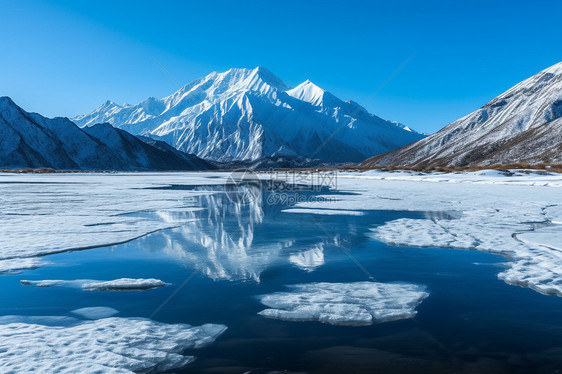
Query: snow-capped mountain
x=524, y=124
x=244, y=114
x=29, y=140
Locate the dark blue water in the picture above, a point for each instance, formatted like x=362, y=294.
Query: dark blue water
x=471, y=322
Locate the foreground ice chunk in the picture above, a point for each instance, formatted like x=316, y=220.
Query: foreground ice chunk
x=96, y=312
x=109, y=345
x=360, y=303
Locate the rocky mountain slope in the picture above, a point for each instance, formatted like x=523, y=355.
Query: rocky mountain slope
x=522, y=125
x=29, y=140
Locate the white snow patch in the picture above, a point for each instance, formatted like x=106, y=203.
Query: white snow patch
x=360, y=303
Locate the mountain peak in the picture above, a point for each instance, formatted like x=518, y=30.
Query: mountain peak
x=554, y=69
x=6, y=102
x=309, y=92
x=258, y=79
x=108, y=104
x=268, y=77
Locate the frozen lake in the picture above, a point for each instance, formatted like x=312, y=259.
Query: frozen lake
x=354, y=272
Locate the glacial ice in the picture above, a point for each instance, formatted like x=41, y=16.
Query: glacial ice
x=108, y=345
x=360, y=303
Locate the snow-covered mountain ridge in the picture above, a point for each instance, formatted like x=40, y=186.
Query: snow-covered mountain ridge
x=245, y=114
x=524, y=124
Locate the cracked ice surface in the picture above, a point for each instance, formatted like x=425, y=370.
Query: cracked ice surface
x=518, y=215
x=46, y=214
x=360, y=303
x=108, y=345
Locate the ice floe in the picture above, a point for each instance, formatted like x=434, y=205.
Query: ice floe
x=124, y=284
x=52, y=282
x=96, y=312
x=360, y=303
x=108, y=345
x=121, y=284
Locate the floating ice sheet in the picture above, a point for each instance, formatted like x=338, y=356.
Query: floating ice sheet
x=121, y=284
x=360, y=303
x=96, y=312
x=108, y=345
x=124, y=284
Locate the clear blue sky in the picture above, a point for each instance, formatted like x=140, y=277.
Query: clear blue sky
x=62, y=58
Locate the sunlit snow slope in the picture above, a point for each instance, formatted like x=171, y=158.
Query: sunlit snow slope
x=524, y=124
x=245, y=114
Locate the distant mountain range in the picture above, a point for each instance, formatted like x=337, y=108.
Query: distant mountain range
x=522, y=125
x=250, y=115
x=250, y=119
x=29, y=140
